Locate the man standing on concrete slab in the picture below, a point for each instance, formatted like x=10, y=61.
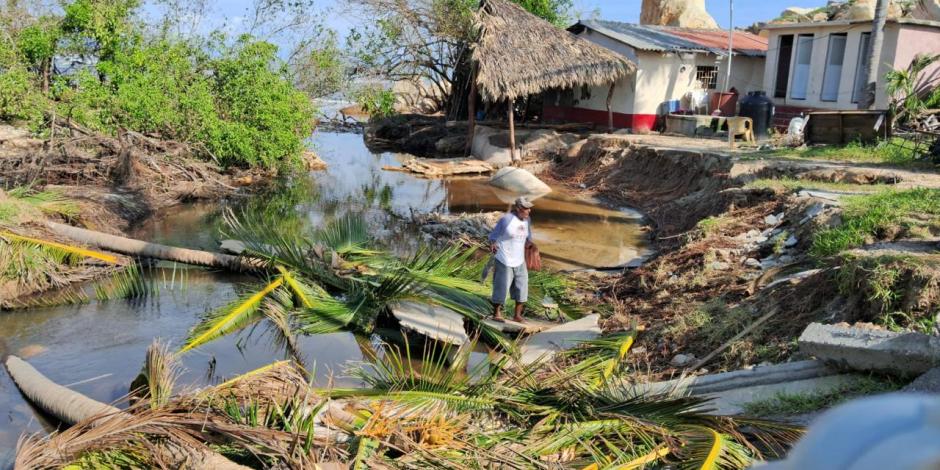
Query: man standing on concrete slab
x=508, y=241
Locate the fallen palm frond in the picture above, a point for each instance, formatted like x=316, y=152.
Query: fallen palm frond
x=230, y=318
x=128, y=283
x=61, y=250
x=335, y=280
x=161, y=371
x=437, y=413
x=49, y=202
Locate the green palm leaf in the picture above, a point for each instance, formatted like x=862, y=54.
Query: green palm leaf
x=708, y=449
x=230, y=318
x=347, y=234
x=61, y=250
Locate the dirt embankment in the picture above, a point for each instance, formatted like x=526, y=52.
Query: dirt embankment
x=116, y=180
x=733, y=283
x=106, y=183
x=675, y=187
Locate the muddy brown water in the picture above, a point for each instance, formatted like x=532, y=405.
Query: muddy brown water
x=98, y=348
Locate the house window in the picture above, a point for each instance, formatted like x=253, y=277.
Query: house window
x=864, y=57
x=707, y=75
x=804, y=55
x=833, y=73
x=784, y=55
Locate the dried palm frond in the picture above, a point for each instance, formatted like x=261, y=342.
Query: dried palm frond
x=553, y=58
x=161, y=371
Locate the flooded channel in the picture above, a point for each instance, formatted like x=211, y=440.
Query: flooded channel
x=98, y=348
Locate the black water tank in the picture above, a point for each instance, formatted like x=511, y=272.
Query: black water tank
x=757, y=106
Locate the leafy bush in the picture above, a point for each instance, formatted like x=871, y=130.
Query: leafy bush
x=19, y=98
x=266, y=118
x=233, y=102
x=377, y=101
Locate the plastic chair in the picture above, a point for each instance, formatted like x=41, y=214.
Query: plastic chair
x=740, y=126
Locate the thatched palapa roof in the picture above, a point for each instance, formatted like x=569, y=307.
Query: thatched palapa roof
x=520, y=54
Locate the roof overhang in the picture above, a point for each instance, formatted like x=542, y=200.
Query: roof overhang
x=843, y=23
x=660, y=40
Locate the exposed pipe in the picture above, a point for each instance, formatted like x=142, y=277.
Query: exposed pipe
x=730, y=43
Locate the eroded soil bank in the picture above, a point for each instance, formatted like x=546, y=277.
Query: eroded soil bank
x=750, y=249
x=98, y=182
x=740, y=269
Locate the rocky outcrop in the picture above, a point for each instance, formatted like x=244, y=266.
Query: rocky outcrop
x=865, y=10
x=684, y=13
x=858, y=10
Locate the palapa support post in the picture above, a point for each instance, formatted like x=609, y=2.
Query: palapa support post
x=471, y=109
x=610, y=112
x=512, y=133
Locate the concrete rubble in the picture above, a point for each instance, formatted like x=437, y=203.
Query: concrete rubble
x=545, y=345
x=436, y=322
x=730, y=391
x=866, y=349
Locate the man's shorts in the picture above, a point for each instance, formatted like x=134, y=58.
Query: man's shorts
x=514, y=281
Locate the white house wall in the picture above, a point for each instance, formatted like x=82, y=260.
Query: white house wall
x=662, y=77
x=818, y=64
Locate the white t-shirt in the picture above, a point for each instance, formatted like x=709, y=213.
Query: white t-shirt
x=510, y=236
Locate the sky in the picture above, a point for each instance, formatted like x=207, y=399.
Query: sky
x=746, y=12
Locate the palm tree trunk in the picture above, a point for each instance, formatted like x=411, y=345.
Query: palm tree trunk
x=71, y=407
x=129, y=246
x=68, y=406
x=874, y=63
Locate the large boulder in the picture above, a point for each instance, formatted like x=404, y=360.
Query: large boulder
x=684, y=13
x=865, y=10
x=520, y=182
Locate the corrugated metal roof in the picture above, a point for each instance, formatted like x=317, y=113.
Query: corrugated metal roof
x=674, y=39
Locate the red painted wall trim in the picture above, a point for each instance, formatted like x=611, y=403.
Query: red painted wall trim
x=637, y=122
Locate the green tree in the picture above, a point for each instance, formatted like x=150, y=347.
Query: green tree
x=37, y=43
x=19, y=98
x=106, y=22
x=266, y=118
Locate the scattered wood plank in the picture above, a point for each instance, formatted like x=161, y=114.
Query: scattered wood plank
x=443, y=167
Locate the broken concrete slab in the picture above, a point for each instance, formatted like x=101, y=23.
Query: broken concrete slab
x=902, y=354
x=232, y=247
x=755, y=376
x=544, y=345
x=530, y=326
x=928, y=382
x=436, y=322
x=732, y=402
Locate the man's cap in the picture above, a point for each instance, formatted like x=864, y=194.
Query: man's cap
x=522, y=201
